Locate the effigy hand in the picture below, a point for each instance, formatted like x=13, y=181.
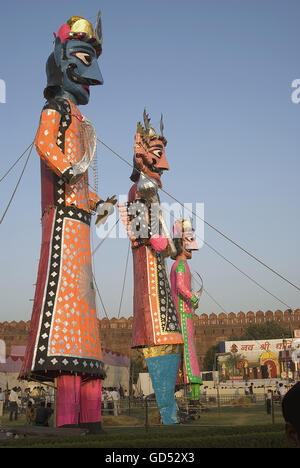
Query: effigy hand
x=195, y=302
x=104, y=209
x=72, y=175
x=124, y=216
x=133, y=216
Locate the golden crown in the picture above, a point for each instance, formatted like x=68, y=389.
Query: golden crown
x=148, y=133
x=78, y=28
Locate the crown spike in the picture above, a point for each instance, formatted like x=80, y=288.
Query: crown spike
x=146, y=120
x=161, y=125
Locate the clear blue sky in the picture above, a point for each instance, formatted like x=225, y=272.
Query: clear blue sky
x=221, y=73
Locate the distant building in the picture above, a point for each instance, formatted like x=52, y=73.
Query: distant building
x=258, y=359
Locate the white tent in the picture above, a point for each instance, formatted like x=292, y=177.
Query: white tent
x=3, y=381
x=116, y=376
x=144, y=384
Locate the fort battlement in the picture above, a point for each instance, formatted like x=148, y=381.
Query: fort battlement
x=209, y=329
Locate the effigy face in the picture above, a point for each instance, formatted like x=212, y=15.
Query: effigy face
x=150, y=158
x=185, y=238
x=77, y=61
x=189, y=243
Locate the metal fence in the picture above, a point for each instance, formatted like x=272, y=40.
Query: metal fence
x=213, y=410
x=144, y=411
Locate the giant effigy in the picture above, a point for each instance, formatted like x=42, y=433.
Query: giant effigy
x=186, y=301
x=64, y=339
x=156, y=329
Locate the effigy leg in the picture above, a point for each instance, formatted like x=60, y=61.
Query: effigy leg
x=68, y=398
x=195, y=391
x=163, y=371
x=90, y=406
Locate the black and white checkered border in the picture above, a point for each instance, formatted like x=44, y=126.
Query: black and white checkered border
x=167, y=308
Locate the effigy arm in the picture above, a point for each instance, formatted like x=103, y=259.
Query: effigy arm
x=182, y=289
x=46, y=144
x=134, y=216
x=104, y=208
x=94, y=200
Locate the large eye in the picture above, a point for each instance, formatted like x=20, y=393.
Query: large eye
x=157, y=153
x=84, y=57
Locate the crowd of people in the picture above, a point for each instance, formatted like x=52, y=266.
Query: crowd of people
x=39, y=404
x=36, y=403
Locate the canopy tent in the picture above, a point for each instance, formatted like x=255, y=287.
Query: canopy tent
x=144, y=384
x=116, y=366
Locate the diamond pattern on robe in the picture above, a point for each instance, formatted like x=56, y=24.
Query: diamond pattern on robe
x=76, y=338
x=68, y=336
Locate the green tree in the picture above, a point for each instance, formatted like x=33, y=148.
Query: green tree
x=137, y=365
x=232, y=362
x=263, y=331
x=210, y=357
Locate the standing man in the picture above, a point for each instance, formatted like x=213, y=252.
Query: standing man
x=116, y=399
x=156, y=329
x=251, y=391
x=186, y=301
x=13, y=404
x=282, y=391
x=64, y=341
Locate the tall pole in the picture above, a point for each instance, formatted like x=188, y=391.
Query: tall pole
x=272, y=408
x=285, y=361
x=55, y=404
x=75, y=385
x=218, y=396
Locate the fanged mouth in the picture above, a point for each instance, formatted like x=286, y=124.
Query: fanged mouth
x=155, y=169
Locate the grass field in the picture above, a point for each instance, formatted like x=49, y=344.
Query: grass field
x=226, y=415
x=231, y=428
x=164, y=437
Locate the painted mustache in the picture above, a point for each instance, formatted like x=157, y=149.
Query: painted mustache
x=153, y=167
x=192, y=245
x=73, y=76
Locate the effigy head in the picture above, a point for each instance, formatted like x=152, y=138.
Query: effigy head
x=72, y=67
x=149, y=152
x=184, y=238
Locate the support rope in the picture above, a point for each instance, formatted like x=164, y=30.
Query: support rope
x=124, y=279
x=18, y=183
x=208, y=224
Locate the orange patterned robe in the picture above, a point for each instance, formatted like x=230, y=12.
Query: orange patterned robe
x=155, y=318
x=64, y=335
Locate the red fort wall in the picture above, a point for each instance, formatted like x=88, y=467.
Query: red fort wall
x=115, y=333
